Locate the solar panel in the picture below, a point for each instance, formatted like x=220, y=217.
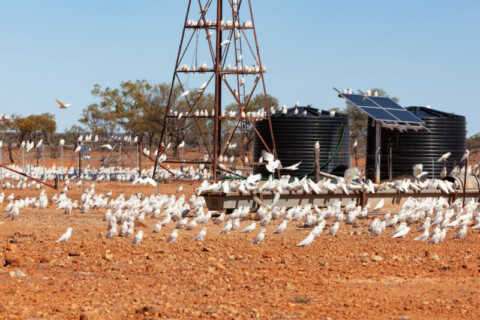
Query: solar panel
x=359, y=100
x=382, y=108
x=405, y=116
x=386, y=103
x=379, y=114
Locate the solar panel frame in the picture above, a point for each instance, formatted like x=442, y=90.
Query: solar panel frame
x=382, y=108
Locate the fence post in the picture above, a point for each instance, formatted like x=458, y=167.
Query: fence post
x=316, y=162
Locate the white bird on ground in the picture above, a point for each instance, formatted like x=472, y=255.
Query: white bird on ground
x=334, y=229
x=157, y=227
x=62, y=105
x=282, y=227
x=461, y=234
x=259, y=238
x=444, y=157
x=220, y=219
x=423, y=236
x=112, y=232
x=307, y=241
x=201, y=235
x=173, y=237
x=138, y=237
x=179, y=190
x=379, y=205
x=65, y=236
x=402, y=233
x=227, y=228
x=250, y=228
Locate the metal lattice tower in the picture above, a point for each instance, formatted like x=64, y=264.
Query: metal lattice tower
x=234, y=64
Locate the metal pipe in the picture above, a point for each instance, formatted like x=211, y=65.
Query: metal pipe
x=218, y=90
x=61, y=155
x=378, y=140
x=43, y=156
x=27, y=176
x=465, y=181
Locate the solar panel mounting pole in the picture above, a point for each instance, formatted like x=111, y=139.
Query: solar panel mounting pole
x=378, y=139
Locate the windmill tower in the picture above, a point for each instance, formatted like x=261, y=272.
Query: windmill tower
x=218, y=44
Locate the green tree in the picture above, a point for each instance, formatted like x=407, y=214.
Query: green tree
x=34, y=127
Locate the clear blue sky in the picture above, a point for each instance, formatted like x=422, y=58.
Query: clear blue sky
x=424, y=52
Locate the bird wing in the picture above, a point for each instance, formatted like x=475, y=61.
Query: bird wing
x=267, y=156
x=293, y=167
x=61, y=104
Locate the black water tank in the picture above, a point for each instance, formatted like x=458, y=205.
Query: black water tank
x=448, y=134
x=295, y=136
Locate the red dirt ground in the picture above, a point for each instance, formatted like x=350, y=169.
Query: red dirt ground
x=226, y=277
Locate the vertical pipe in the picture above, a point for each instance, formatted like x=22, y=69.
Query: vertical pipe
x=183, y=160
x=83, y=168
x=465, y=181
x=140, y=145
x=43, y=158
x=433, y=168
x=137, y=164
x=61, y=155
x=217, y=135
x=390, y=173
x=30, y=170
x=378, y=132
x=316, y=163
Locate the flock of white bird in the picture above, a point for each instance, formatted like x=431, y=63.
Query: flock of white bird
x=122, y=213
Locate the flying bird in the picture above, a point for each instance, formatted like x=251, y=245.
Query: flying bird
x=63, y=106
x=444, y=157
x=107, y=146
x=293, y=167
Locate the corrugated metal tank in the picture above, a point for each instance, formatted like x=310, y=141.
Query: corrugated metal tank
x=448, y=134
x=295, y=136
